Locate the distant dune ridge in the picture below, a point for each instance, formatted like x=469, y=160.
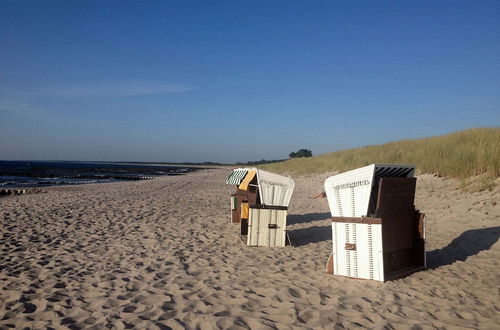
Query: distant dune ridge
x=462, y=154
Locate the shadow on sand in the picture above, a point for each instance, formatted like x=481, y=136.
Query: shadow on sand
x=308, y=235
x=315, y=234
x=303, y=218
x=469, y=243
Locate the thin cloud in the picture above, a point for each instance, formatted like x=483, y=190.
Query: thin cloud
x=26, y=111
x=18, y=108
x=107, y=89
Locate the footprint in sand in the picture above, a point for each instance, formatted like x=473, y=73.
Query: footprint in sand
x=29, y=308
x=129, y=309
x=294, y=293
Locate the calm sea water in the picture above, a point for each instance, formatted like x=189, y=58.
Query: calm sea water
x=43, y=173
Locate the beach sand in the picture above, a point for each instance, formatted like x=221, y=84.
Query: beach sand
x=162, y=254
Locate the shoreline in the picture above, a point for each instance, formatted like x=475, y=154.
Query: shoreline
x=162, y=253
x=24, y=174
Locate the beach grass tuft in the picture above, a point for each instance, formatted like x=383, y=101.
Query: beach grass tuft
x=462, y=154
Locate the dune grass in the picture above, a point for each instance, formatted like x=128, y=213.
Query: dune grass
x=462, y=154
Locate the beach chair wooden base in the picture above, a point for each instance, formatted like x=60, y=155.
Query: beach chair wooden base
x=266, y=226
x=329, y=265
x=288, y=241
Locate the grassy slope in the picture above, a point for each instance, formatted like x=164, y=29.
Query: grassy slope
x=461, y=154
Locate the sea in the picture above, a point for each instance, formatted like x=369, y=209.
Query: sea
x=26, y=174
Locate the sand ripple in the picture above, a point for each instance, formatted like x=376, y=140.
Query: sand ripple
x=161, y=254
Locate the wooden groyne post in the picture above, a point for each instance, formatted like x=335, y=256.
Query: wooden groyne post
x=14, y=191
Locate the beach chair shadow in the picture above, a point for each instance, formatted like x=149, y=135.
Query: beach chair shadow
x=309, y=235
x=469, y=243
x=312, y=234
x=303, y=218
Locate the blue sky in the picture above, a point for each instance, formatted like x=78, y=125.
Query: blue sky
x=240, y=80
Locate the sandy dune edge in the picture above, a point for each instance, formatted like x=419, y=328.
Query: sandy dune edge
x=162, y=254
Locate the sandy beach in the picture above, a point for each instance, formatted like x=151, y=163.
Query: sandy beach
x=162, y=254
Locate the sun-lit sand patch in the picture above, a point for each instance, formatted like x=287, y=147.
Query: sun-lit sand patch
x=162, y=254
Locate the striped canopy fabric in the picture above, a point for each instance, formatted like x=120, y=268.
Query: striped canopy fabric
x=237, y=176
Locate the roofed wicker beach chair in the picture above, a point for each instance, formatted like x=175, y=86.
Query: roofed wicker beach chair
x=260, y=205
x=376, y=231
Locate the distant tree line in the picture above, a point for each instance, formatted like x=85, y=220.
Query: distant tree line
x=301, y=153
x=261, y=162
x=297, y=154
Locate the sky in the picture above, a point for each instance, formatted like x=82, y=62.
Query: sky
x=236, y=81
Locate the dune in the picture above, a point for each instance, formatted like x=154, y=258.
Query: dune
x=162, y=254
